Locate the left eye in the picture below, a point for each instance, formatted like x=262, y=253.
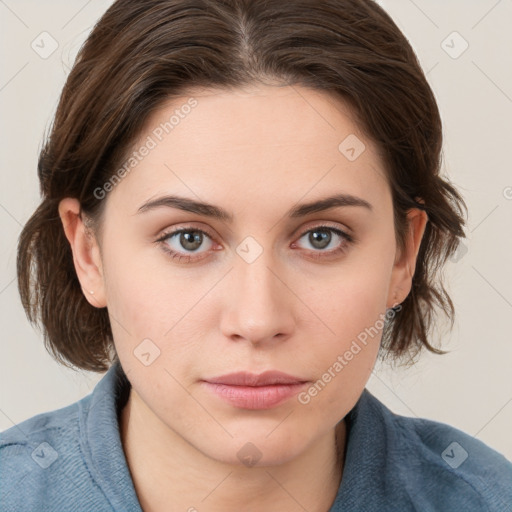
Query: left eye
x=321, y=236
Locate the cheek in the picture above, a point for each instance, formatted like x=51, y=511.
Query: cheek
x=354, y=307
x=157, y=310
x=354, y=297
x=142, y=291
x=133, y=300
x=343, y=364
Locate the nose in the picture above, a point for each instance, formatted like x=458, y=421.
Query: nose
x=259, y=305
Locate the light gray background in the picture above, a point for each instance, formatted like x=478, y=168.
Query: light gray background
x=470, y=388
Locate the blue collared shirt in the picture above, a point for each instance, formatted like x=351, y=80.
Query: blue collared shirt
x=72, y=459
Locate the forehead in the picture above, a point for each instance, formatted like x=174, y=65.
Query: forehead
x=258, y=115
x=285, y=141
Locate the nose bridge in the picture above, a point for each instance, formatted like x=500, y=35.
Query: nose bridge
x=252, y=266
x=257, y=280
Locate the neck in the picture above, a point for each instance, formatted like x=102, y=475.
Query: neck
x=166, y=470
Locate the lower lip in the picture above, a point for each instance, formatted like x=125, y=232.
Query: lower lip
x=255, y=397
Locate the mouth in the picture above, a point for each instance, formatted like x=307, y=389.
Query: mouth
x=255, y=391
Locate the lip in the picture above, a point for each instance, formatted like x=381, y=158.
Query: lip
x=255, y=391
x=267, y=378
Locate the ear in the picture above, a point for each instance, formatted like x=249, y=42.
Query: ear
x=86, y=252
x=405, y=262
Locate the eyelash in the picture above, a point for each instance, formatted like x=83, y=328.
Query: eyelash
x=348, y=240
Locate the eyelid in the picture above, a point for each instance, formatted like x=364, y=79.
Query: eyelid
x=185, y=227
x=326, y=224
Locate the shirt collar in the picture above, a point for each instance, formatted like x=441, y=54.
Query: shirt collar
x=365, y=475
x=101, y=439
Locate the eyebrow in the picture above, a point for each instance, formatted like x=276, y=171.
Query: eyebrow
x=216, y=212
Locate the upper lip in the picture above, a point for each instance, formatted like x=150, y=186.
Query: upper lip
x=267, y=378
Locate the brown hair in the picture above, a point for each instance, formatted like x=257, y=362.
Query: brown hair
x=142, y=53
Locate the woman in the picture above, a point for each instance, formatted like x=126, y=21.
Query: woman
x=242, y=207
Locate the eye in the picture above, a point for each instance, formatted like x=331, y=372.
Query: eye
x=187, y=239
x=321, y=237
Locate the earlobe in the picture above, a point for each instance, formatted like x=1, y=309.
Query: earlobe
x=85, y=250
x=405, y=264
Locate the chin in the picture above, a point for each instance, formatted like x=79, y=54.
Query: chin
x=256, y=448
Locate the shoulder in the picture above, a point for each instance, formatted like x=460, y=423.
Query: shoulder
x=437, y=463
x=57, y=430
x=41, y=461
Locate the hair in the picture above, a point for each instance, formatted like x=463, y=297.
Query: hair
x=141, y=54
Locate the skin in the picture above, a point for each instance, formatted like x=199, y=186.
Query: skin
x=256, y=152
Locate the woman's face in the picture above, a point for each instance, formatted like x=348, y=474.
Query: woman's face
x=273, y=285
